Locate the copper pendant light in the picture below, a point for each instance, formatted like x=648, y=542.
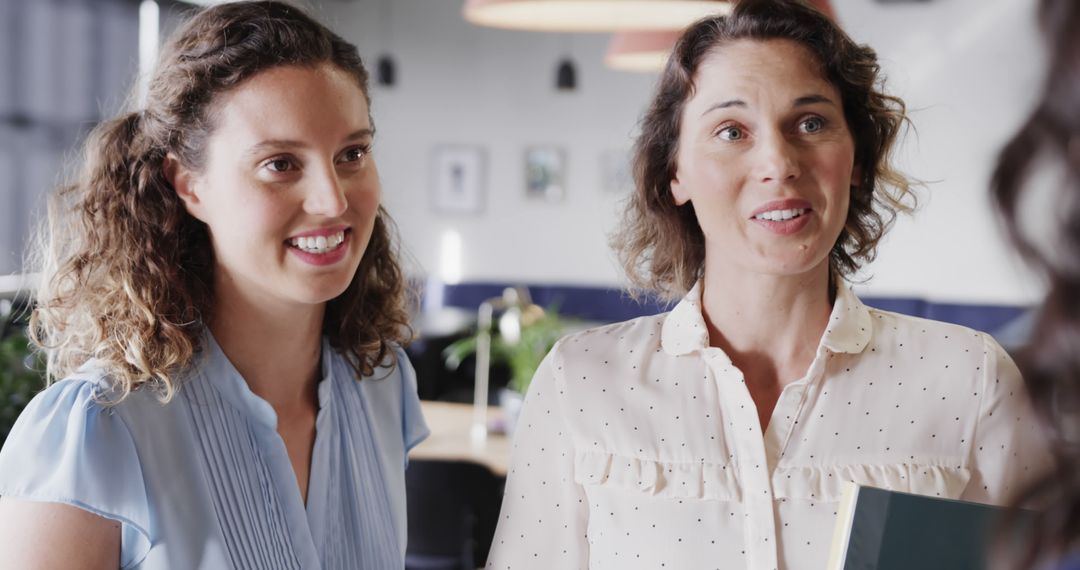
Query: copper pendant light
x=590, y=15
x=648, y=51
x=640, y=51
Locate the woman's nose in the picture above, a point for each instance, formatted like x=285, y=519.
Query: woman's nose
x=326, y=196
x=776, y=159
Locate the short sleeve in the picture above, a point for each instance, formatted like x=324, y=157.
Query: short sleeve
x=545, y=511
x=1009, y=447
x=68, y=448
x=414, y=428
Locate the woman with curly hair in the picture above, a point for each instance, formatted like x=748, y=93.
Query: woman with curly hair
x=222, y=308
x=1037, y=187
x=718, y=435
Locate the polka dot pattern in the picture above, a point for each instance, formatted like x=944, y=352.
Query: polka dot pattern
x=639, y=446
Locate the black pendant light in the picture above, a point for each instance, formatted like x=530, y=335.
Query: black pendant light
x=385, y=66
x=386, y=70
x=566, y=72
x=566, y=75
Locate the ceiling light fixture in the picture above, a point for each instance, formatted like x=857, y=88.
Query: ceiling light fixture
x=590, y=15
x=640, y=51
x=648, y=51
x=566, y=75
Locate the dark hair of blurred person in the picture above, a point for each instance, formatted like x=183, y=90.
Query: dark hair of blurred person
x=1043, y=219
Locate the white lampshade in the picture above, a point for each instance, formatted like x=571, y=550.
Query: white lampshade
x=591, y=15
x=640, y=51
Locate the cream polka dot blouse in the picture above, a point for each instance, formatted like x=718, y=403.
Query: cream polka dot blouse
x=639, y=445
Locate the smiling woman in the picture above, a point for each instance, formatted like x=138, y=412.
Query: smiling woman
x=221, y=307
x=291, y=151
x=723, y=430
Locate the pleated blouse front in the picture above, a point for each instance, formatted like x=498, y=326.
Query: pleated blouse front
x=206, y=482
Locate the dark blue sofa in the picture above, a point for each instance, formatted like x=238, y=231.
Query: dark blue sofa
x=610, y=305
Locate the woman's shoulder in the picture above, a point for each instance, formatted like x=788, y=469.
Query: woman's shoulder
x=93, y=389
x=86, y=392
x=957, y=348
x=70, y=446
x=632, y=334
x=898, y=327
x=84, y=406
x=83, y=414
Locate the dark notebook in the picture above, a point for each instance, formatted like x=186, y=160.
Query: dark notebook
x=887, y=530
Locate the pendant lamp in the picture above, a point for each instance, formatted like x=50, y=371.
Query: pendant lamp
x=590, y=15
x=648, y=51
x=566, y=75
x=386, y=71
x=825, y=7
x=640, y=51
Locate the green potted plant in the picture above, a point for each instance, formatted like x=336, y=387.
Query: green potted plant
x=521, y=347
x=21, y=373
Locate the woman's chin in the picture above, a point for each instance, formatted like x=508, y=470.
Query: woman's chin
x=799, y=265
x=320, y=293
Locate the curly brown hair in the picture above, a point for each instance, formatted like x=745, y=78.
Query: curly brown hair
x=127, y=273
x=660, y=244
x=1049, y=141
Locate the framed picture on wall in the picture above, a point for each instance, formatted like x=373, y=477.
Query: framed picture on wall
x=457, y=179
x=545, y=173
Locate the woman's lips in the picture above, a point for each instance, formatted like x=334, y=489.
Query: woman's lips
x=785, y=226
x=321, y=250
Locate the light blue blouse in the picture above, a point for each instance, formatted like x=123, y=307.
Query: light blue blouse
x=205, y=482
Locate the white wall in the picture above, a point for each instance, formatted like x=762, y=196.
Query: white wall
x=967, y=68
x=463, y=84
x=970, y=72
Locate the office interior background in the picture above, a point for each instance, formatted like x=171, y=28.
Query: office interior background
x=968, y=70
x=498, y=177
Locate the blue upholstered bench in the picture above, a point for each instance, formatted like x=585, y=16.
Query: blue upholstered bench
x=610, y=305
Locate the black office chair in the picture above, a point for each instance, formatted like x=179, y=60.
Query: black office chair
x=453, y=508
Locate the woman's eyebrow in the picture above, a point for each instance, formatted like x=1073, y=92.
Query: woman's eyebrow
x=273, y=144
x=799, y=102
x=361, y=134
x=725, y=105
x=811, y=100
x=286, y=144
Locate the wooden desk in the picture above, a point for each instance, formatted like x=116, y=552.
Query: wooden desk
x=450, y=441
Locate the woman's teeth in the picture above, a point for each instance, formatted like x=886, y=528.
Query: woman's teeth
x=781, y=215
x=318, y=244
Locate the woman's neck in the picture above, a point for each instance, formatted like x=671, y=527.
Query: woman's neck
x=275, y=347
x=767, y=318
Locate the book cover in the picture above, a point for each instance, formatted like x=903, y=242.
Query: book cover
x=878, y=529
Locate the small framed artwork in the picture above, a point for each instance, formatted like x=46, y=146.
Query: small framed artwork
x=457, y=179
x=616, y=171
x=545, y=173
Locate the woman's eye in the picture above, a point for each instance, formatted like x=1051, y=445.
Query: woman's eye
x=812, y=125
x=731, y=134
x=279, y=165
x=355, y=154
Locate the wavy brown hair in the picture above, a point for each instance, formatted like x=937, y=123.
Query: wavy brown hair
x=1051, y=360
x=660, y=244
x=127, y=273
